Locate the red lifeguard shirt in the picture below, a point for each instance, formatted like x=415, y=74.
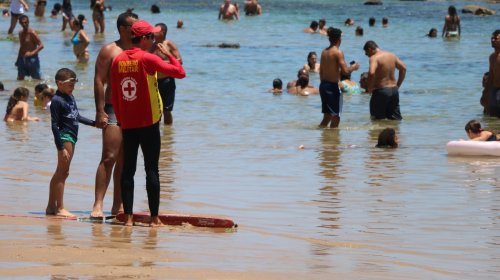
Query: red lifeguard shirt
x=136, y=99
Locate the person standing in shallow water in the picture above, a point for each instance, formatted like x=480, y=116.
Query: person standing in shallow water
x=17, y=9
x=331, y=65
x=493, y=81
x=229, y=11
x=384, y=103
x=28, y=63
x=166, y=85
x=451, y=27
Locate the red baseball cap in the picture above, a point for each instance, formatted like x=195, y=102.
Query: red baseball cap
x=142, y=27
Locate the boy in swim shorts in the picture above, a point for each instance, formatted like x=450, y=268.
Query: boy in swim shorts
x=65, y=119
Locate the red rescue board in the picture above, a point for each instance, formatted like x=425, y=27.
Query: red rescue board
x=179, y=219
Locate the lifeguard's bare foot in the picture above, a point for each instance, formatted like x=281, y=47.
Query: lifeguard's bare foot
x=129, y=220
x=96, y=211
x=155, y=222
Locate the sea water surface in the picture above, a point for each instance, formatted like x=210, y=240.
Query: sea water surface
x=337, y=206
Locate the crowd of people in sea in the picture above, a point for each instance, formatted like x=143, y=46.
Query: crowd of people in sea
x=142, y=65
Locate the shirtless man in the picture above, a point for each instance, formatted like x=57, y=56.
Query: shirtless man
x=384, y=103
x=252, y=8
x=301, y=86
x=493, y=82
x=322, y=28
x=166, y=85
x=228, y=11
x=331, y=65
x=106, y=119
x=28, y=63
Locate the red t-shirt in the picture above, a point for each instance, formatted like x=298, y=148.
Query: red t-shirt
x=136, y=99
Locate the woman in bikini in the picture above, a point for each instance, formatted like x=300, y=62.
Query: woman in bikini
x=451, y=26
x=80, y=41
x=97, y=7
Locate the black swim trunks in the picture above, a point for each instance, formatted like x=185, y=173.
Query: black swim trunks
x=331, y=98
x=167, y=87
x=384, y=104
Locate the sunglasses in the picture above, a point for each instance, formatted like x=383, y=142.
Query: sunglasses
x=70, y=80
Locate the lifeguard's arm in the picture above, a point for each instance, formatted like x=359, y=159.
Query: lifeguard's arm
x=102, y=66
x=55, y=108
x=154, y=63
x=371, y=73
x=402, y=71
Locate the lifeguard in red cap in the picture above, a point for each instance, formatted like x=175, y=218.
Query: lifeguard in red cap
x=138, y=108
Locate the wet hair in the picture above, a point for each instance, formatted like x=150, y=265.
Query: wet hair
x=155, y=9
x=310, y=54
x=5, y=12
x=370, y=45
x=387, y=139
x=48, y=92
x=431, y=31
x=333, y=34
x=163, y=27
x=348, y=21
x=277, y=83
x=40, y=87
x=385, y=20
x=371, y=21
x=314, y=24
x=452, y=11
x=122, y=19
x=57, y=7
x=64, y=74
x=359, y=31
x=323, y=21
x=19, y=93
x=79, y=21
x=473, y=126
x=496, y=33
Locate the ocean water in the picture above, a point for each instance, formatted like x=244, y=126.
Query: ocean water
x=337, y=206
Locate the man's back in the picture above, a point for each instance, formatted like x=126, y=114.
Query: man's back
x=329, y=69
x=385, y=65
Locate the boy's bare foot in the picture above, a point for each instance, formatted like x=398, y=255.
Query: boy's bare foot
x=96, y=211
x=129, y=220
x=64, y=213
x=155, y=222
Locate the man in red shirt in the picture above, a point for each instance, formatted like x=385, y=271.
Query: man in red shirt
x=138, y=108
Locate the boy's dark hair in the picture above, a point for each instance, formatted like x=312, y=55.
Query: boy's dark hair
x=64, y=74
x=387, y=139
x=155, y=9
x=163, y=27
x=496, y=33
